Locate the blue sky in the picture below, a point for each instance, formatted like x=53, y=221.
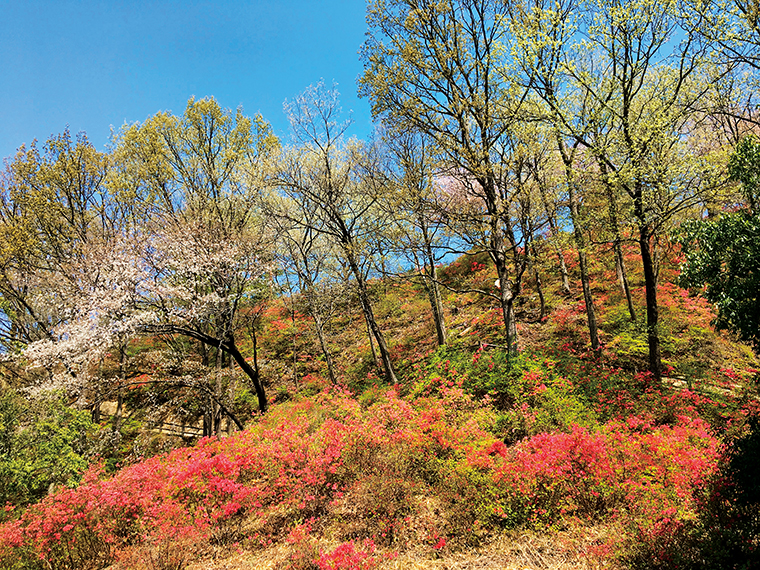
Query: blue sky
x=96, y=64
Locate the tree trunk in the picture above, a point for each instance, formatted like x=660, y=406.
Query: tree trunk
x=554, y=231
x=96, y=410
x=371, y=338
x=539, y=290
x=506, y=298
x=588, y=299
x=251, y=371
x=216, y=410
x=205, y=359
x=580, y=244
x=622, y=274
x=498, y=253
x=119, y=398
x=232, y=388
x=650, y=284
x=295, y=341
x=319, y=327
x=616, y=243
x=563, y=271
x=119, y=407
x=430, y=282
x=434, y=298
x=385, y=355
x=208, y=415
x=228, y=346
x=390, y=374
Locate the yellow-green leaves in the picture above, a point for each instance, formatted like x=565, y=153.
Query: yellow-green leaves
x=202, y=165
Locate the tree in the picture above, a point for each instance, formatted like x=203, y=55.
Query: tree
x=437, y=68
x=206, y=256
x=544, y=38
x=53, y=203
x=550, y=199
x=723, y=254
x=735, y=26
x=636, y=70
x=55, y=209
x=306, y=256
x=744, y=167
x=337, y=181
x=187, y=258
x=417, y=215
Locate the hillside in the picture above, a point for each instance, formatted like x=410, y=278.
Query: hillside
x=556, y=458
x=517, y=325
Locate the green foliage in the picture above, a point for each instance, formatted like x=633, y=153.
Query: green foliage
x=744, y=166
x=10, y=410
x=51, y=203
x=41, y=446
x=723, y=256
x=474, y=503
x=246, y=403
x=532, y=397
x=629, y=341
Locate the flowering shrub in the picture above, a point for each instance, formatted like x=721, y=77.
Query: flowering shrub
x=348, y=557
x=636, y=465
x=534, y=397
x=393, y=471
x=725, y=533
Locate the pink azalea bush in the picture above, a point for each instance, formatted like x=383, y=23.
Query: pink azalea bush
x=361, y=470
x=347, y=556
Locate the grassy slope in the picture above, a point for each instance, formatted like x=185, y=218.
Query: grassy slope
x=556, y=460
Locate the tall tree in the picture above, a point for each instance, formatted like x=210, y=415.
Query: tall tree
x=307, y=257
x=53, y=203
x=186, y=260
x=723, y=254
x=652, y=81
x=206, y=255
x=418, y=231
x=638, y=67
x=436, y=67
x=550, y=58
x=336, y=179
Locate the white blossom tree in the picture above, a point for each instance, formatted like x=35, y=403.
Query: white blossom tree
x=187, y=256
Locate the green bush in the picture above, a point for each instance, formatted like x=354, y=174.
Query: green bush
x=474, y=504
x=41, y=445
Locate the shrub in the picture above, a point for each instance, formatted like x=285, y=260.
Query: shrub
x=392, y=471
x=726, y=532
x=42, y=445
x=347, y=556
x=634, y=465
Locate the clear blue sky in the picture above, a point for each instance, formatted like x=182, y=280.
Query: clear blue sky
x=96, y=64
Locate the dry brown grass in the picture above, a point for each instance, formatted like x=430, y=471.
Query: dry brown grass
x=516, y=550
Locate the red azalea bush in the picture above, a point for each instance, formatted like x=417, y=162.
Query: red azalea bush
x=633, y=466
x=363, y=471
x=347, y=556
